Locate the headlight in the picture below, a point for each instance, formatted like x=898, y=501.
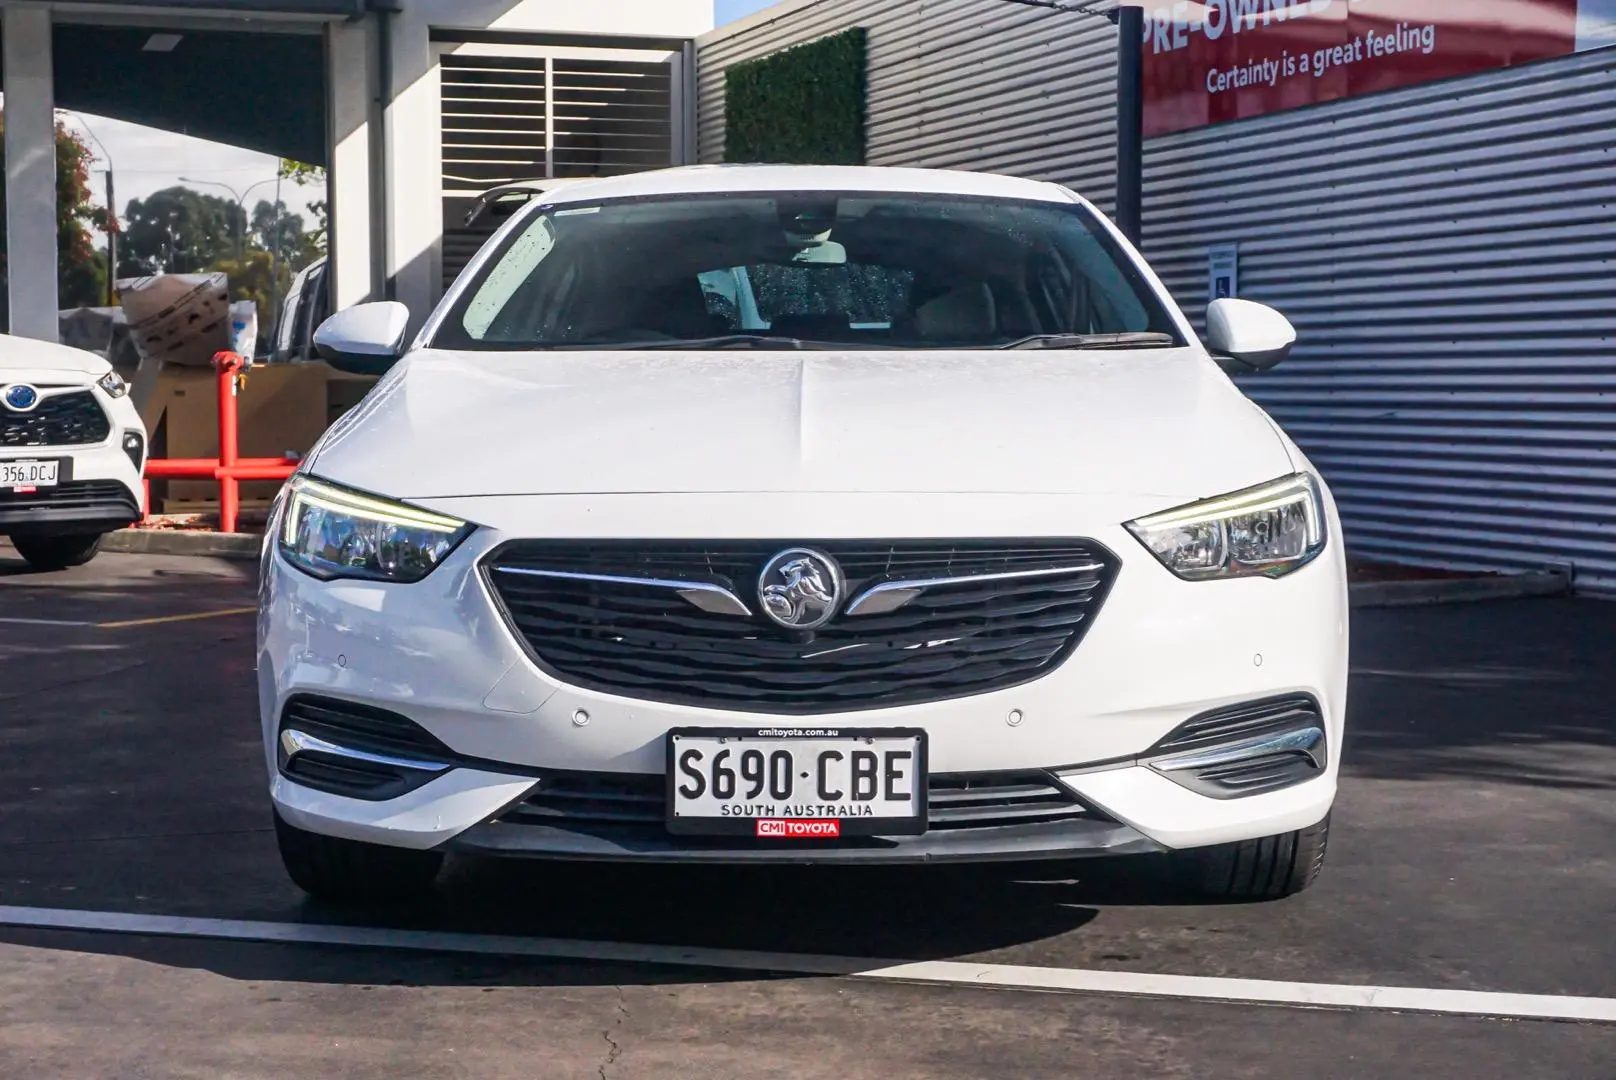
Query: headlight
x=331, y=532
x=1269, y=531
x=113, y=384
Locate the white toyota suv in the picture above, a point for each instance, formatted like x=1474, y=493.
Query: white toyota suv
x=804, y=514
x=72, y=448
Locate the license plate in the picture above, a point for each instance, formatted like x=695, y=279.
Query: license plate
x=780, y=783
x=27, y=475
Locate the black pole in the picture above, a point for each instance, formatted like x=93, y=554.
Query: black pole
x=112, y=243
x=1130, y=119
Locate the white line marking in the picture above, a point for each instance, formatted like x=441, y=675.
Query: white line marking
x=43, y=622
x=933, y=972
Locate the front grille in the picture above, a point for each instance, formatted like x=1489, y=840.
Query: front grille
x=960, y=801
x=953, y=641
x=74, y=419
x=72, y=495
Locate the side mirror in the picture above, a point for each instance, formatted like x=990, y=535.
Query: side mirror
x=1245, y=337
x=364, y=340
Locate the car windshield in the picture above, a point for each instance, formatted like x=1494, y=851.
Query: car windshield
x=802, y=270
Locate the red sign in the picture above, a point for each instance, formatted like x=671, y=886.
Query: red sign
x=794, y=829
x=1213, y=61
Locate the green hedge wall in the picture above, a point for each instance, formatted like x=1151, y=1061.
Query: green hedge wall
x=801, y=106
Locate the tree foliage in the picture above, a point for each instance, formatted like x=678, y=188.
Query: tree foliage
x=304, y=175
x=801, y=106
x=182, y=231
x=178, y=231
x=259, y=278
x=275, y=229
x=81, y=269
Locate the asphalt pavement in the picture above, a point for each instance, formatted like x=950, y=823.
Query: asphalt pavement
x=1474, y=848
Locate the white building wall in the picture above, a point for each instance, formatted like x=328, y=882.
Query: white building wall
x=414, y=164
x=30, y=145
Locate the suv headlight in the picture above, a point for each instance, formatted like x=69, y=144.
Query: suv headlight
x=1268, y=531
x=113, y=384
x=332, y=532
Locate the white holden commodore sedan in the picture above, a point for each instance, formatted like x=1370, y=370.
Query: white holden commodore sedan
x=804, y=515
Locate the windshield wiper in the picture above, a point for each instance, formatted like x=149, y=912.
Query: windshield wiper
x=1148, y=339
x=724, y=341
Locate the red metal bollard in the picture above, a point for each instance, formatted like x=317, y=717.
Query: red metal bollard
x=229, y=365
x=229, y=469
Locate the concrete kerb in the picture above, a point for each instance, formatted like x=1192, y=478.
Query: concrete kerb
x=1376, y=594
x=173, y=542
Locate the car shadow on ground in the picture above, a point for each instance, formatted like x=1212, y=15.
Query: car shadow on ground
x=1512, y=693
x=876, y=915
x=12, y=566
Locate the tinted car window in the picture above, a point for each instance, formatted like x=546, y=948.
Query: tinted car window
x=903, y=271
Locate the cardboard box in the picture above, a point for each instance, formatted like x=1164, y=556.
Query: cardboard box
x=179, y=318
x=282, y=410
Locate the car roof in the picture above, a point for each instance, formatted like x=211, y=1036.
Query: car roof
x=739, y=179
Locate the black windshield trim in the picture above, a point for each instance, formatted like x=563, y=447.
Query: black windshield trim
x=464, y=342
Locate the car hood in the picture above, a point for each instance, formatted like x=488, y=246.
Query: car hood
x=26, y=360
x=451, y=424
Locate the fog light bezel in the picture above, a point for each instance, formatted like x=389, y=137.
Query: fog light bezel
x=1299, y=742
x=134, y=448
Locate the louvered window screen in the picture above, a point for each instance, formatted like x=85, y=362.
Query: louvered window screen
x=612, y=117
x=511, y=118
x=495, y=121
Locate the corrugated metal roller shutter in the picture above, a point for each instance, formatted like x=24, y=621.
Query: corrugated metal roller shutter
x=964, y=84
x=1446, y=254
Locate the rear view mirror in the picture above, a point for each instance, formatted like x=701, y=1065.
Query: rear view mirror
x=364, y=340
x=1245, y=337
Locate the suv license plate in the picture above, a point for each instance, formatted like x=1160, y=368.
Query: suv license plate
x=28, y=475
x=812, y=784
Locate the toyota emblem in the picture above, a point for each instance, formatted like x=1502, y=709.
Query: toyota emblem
x=20, y=397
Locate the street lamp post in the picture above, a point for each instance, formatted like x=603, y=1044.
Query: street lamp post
x=241, y=235
x=241, y=205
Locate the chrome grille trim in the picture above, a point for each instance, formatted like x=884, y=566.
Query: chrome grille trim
x=892, y=595
x=701, y=594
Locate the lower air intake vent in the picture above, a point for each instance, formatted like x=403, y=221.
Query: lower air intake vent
x=81, y=503
x=961, y=801
x=985, y=800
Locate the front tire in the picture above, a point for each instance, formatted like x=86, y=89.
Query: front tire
x=1268, y=868
x=351, y=872
x=57, y=552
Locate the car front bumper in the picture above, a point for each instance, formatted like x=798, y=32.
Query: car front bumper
x=100, y=486
x=1159, y=652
